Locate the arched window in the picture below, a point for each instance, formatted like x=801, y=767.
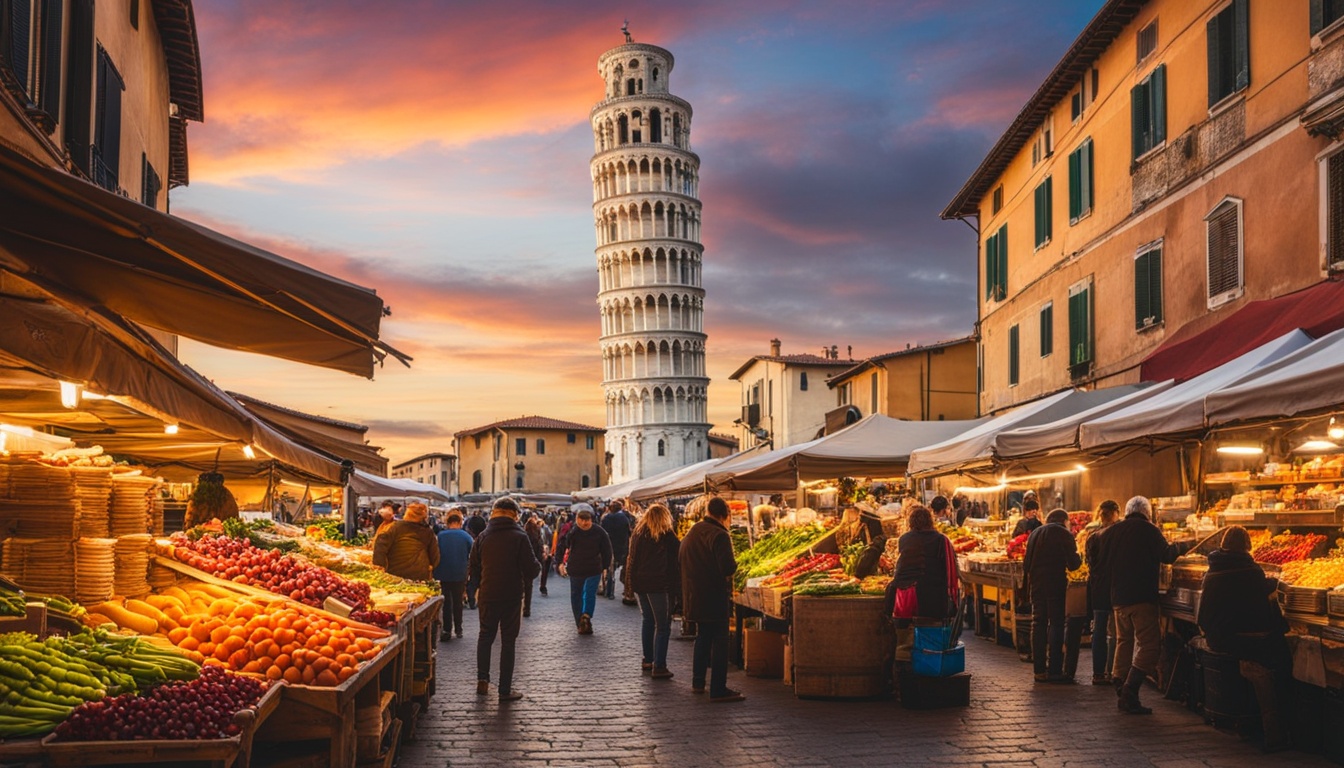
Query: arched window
x=586, y=482
x=802, y=381
x=662, y=448
x=630, y=87
x=622, y=129
x=519, y=482
x=476, y=481
x=636, y=120
x=655, y=126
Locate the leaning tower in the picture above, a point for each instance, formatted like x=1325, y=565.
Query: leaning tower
x=646, y=208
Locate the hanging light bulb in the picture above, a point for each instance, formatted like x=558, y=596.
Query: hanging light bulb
x=248, y=452
x=170, y=429
x=69, y=394
x=1336, y=431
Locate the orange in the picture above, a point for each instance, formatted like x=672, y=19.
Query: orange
x=301, y=625
x=274, y=673
x=222, y=652
x=283, y=661
x=265, y=662
x=175, y=636
x=345, y=660
x=322, y=663
x=218, y=634
x=327, y=651
x=309, y=675
x=364, y=644
x=252, y=667
x=207, y=648
x=325, y=677
x=284, y=621
x=345, y=673
x=240, y=659
x=261, y=633
x=293, y=675
x=189, y=643
x=200, y=631
x=246, y=610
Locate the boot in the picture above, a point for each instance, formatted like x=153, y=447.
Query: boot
x=1129, y=695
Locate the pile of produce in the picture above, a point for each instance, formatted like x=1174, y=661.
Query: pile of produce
x=12, y=600
x=1324, y=573
x=801, y=566
x=1287, y=547
x=379, y=579
x=203, y=708
x=824, y=584
x=41, y=682
x=1017, y=548
x=329, y=529
x=874, y=585
x=775, y=550
x=239, y=560
x=259, y=533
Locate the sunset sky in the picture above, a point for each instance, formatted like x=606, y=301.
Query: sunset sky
x=437, y=151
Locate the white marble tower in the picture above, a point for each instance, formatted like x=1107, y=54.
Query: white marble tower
x=646, y=209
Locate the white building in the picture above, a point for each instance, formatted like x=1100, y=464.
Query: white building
x=647, y=214
x=437, y=469
x=784, y=397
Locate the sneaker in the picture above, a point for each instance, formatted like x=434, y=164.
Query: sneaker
x=728, y=695
x=482, y=687
x=510, y=695
x=459, y=634
x=661, y=673
x=697, y=687
x=585, y=624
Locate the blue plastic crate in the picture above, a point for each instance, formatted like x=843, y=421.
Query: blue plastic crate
x=935, y=638
x=939, y=663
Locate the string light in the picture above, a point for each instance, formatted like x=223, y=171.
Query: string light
x=69, y=394
x=248, y=452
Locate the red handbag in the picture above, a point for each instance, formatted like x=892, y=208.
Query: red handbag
x=907, y=604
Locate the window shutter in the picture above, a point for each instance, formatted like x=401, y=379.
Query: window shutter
x=1241, y=16
x=1141, y=299
x=1074, y=193
x=78, y=122
x=991, y=264
x=1224, y=269
x=1075, y=326
x=1085, y=312
x=1085, y=177
x=1014, y=347
x=1155, y=285
x=1334, y=171
x=1002, y=270
x=1047, y=329
x=1049, y=206
x=50, y=86
x=1138, y=112
x=1157, y=89
x=1317, y=16
x=1211, y=32
x=20, y=23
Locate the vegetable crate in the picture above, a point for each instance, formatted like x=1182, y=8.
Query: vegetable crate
x=234, y=752
x=775, y=601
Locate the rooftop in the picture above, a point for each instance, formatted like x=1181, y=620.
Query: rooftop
x=422, y=457
x=878, y=359
x=532, y=422
x=807, y=359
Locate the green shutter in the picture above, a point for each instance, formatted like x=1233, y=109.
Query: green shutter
x=1242, y=24
x=1085, y=176
x=1003, y=262
x=1074, y=194
x=1157, y=88
x=1075, y=324
x=1142, y=301
x=1049, y=207
x=991, y=266
x=1155, y=284
x=1047, y=329
x=1080, y=331
x=1043, y=214
x=1138, y=119
x=1211, y=32
x=1014, y=347
x=1317, y=16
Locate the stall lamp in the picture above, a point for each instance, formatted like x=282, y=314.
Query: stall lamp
x=248, y=452
x=970, y=489
x=1336, y=431
x=1317, y=446
x=69, y=394
x=1240, y=450
x=85, y=394
x=170, y=429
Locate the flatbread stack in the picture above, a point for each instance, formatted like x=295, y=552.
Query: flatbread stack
x=41, y=565
x=132, y=565
x=156, y=505
x=161, y=577
x=93, y=488
x=41, y=503
x=130, y=508
x=95, y=570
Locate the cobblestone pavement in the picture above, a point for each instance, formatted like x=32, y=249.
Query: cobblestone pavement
x=586, y=704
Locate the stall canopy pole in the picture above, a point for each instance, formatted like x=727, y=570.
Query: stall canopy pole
x=350, y=500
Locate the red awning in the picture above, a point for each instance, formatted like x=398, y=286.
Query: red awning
x=1317, y=310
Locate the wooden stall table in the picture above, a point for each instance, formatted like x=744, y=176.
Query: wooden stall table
x=419, y=628
x=842, y=646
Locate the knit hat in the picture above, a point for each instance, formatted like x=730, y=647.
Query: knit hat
x=416, y=513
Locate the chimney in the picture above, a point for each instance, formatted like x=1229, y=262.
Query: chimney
x=774, y=347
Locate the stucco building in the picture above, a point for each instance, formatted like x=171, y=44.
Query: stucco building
x=932, y=382
x=530, y=453
x=1180, y=161
x=784, y=397
x=436, y=469
x=646, y=211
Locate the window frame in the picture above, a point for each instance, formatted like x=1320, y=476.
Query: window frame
x=1236, y=14
x=1319, y=25
x=1231, y=294
x=541, y=446
x=590, y=442
x=520, y=446
x=996, y=265
x=1333, y=153
x=1080, y=363
x=1140, y=54
x=1145, y=255
x=1148, y=113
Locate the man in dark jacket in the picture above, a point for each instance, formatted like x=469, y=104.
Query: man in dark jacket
x=618, y=525
x=408, y=548
x=1239, y=618
x=502, y=562
x=707, y=567
x=585, y=553
x=1099, y=596
x=1051, y=554
x=1131, y=556
x=454, y=551
x=474, y=525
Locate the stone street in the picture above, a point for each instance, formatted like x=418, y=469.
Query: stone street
x=586, y=704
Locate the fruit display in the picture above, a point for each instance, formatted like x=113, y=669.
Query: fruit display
x=774, y=550
x=1017, y=548
x=827, y=584
x=1287, y=547
x=963, y=539
x=203, y=708
x=801, y=566
x=874, y=585
x=241, y=561
x=1322, y=573
x=329, y=529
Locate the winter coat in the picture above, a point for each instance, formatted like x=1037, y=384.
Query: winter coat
x=922, y=564
x=707, y=568
x=474, y=525
x=588, y=552
x=618, y=527
x=1098, y=581
x=1131, y=556
x=454, y=548
x=534, y=536
x=654, y=564
x=1236, y=611
x=408, y=550
x=1051, y=552
x=1026, y=525
x=502, y=561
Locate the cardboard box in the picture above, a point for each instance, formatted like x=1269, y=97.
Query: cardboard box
x=763, y=653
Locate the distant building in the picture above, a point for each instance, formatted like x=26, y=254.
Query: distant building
x=436, y=469
x=721, y=446
x=934, y=382
x=784, y=397
x=530, y=453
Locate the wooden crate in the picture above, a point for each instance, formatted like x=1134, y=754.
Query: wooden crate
x=379, y=717
x=841, y=647
x=219, y=753
x=775, y=600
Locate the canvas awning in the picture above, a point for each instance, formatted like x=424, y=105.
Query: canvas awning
x=1062, y=435
x=73, y=238
x=687, y=479
x=1304, y=381
x=1180, y=408
x=976, y=446
x=369, y=484
x=875, y=446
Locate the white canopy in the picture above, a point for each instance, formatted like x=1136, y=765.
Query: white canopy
x=369, y=484
x=875, y=446
x=688, y=478
x=1180, y=408
x=1062, y=435
x=977, y=445
x=1308, y=379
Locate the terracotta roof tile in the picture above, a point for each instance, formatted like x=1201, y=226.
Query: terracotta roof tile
x=532, y=422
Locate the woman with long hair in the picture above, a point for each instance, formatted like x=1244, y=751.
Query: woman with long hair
x=653, y=573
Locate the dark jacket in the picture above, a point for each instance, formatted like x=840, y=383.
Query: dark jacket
x=502, y=561
x=618, y=527
x=653, y=565
x=1098, y=581
x=1236, y=612
x=1051, y=553
x=923, y=564
x=454, y=549
x=408, y=550
x=589, y=552
x=1131, y=556
x=1026, y=525
x=534, y=536
x=707, y=568
x=474, y=525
